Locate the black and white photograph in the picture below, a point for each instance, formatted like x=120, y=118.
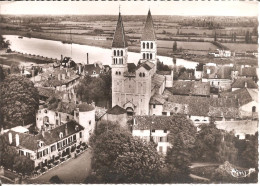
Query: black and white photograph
x=129, y=92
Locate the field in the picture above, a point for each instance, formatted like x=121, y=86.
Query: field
x=241, y=47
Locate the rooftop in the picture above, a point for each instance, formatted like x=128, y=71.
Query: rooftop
x=249, y=71
x=244, y=83
x=84, y=107
x=116, y=110
x=148, y=33
x=217, y=72
x=119, y=40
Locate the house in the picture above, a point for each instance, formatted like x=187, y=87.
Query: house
x=241, y=128
x=116, y=114
x=153, y=127
x=247, y=102
x=46, y=145
x=194, y=88
x=187, y=76
x=93, y=70
x=249, y=72
x=218, y=76
x=244, y=83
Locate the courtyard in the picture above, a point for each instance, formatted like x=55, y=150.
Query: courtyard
x=73, y=171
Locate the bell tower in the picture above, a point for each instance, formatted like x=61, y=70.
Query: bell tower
x=148, y=41
x=119, y=61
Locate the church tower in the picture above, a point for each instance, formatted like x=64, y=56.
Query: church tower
x=119, y=61
x=148, y=41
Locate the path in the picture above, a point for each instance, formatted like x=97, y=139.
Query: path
x=72, y=171
x=201, y=164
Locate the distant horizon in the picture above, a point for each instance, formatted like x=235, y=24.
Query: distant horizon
x=166, y=8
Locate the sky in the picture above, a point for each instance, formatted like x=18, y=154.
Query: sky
x=212, y=8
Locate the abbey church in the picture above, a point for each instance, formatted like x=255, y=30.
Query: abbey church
x=135, y=87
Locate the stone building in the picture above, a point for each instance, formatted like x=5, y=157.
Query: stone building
x=134, y=85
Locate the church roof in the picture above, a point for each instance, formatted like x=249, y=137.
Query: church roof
x=119, y=40
x=116, y=110
x=149, y=33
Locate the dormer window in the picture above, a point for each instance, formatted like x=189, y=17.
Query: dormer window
x=61, y=135
x=40, y=143
x=76, y=128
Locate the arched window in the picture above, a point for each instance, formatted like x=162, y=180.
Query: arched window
x=119, y=73
x=143, y=55
x=147, y=56
x=114, y=52
x=151, y=45
x=121, y=52
x=253, y=109
x=117, y=52
x=140, y=74
x=147, y=45
x=116, y=72
x=143, y=45
x=116, y=60
x=151, y=56
x=143, y=74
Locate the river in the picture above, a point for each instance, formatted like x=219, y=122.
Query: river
x=54, y=49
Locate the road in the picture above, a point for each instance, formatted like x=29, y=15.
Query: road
x=72, y=171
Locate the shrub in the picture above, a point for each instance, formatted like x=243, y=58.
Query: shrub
x=83, y=144
x=55, y=179
x=69, y=156
x=50, y=161
x=37, y=168
x=49, y=166
x=81, y=149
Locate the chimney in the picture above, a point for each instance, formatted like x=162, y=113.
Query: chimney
x=134, y=121
x=17, y=140
x=80, y=69
x=87, y=59
x=63, y=76
x=66, y=130
x=61, y=57
x=59, y=77
x=245, y=84
x=10, y=138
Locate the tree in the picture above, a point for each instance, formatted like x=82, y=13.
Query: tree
x=247, y=38
x=215, y=37
x=174, y=47
x=120, y=158
x=199, y=67
x=214, y=145
x=23, y=164
x=55, y=179
x=14, y=69
x=19, y=101
x=162, y=67
x=2, y=75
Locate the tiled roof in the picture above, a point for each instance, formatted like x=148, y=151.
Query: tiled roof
x=90, y=68
x=84, y=107
x=29, y=141
x=186, y=76
x=219, y=72
x=147, y=65
x=148, y=33
x=157, y=99
x=116, y=110
x=48, y=92
x=190, y=87
x=243, y=95
x=241, y=82
x=131, y=67
x=249, y=71
x=157, y=80
x=119, y=40
x=65, y=107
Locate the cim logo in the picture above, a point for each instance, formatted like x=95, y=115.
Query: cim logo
x=240, y=173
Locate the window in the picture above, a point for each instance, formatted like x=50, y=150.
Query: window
x=57, y=122
x=21, y=152
x=114, y=52
x=171, y=113
x=74, y=137
x=143, y=55
x=147, y=45
x=28, y=154
x=153, y=130
x=116, y=60
x=164, y=113
x=77, y=114
x=160, y=149
x=64, y=142
x=119, y=73
x=147, y=56
x=118, y=53
x=89, y=122
x=116, y=73
x=253, y=109
x=140, y=74
x=165, y=130
x=94, y=72
x=151, y=56
x=121, y=52
x=161, y=139
x=154, y=106
x=143, y=45
x=53, y=148
x=68, y=117
x=80, y=135
x=151, y=45
x=143, y=74
x=56, y=113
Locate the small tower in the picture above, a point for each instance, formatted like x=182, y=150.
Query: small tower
x=148, y=41
x=119, y=61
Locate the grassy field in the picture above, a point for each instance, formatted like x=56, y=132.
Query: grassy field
x=241, y=47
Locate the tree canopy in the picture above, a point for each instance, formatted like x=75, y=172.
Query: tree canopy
x=120, y=158
x=19, y=100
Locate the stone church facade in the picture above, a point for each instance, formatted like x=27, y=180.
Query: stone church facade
x=134, y=85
